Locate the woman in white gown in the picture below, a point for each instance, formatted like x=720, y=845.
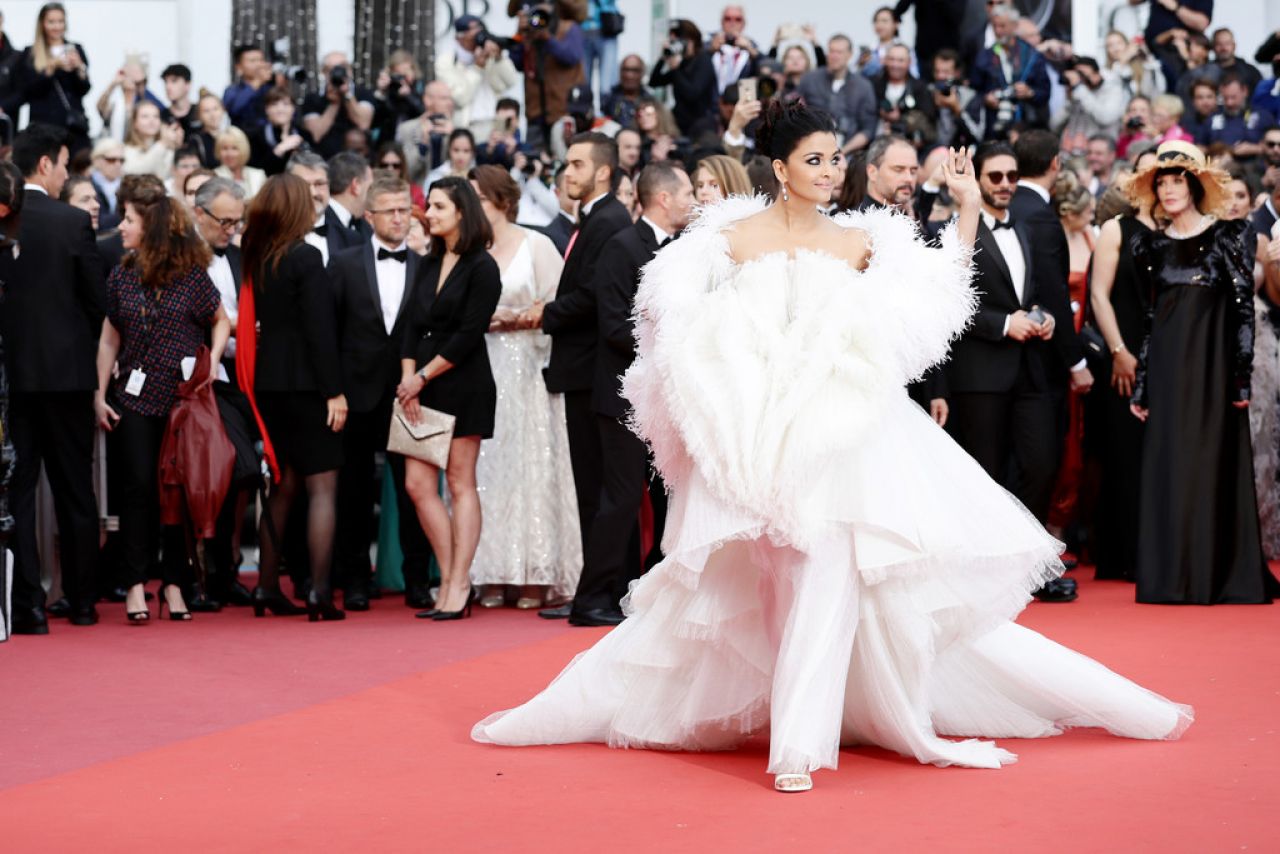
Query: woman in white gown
x=531, y=540
x=838, y=570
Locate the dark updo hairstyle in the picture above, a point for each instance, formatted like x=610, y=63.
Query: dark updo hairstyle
x=786, y=123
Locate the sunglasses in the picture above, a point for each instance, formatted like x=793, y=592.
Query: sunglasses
x=999, y=178
x=1271, y=143
x=389, y=164
x=632, y=70
x=733, y=19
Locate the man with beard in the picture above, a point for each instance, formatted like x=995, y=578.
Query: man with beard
x=1100, y=154
x=610, y=561
x=571, y=318
x=892, y=172
x=1002, y=409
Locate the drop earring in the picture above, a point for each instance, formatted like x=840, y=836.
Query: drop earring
x=785, y=197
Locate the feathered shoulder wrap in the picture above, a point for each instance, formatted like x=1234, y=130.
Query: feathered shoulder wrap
x=758, y=374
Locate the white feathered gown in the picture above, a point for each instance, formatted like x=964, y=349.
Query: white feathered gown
x=838, y=569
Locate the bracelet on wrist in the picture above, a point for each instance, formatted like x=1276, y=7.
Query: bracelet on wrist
x=1118, y=349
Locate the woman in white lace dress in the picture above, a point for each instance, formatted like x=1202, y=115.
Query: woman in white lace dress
x=531, y=541
x=838, y=570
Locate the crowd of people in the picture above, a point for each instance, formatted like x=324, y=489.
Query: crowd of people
x=355, y=252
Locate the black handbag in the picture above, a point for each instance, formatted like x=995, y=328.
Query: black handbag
x=612, y=24
x=77, y=123
x=1096, y=351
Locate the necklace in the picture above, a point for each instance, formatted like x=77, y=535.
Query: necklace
x=1204, y=222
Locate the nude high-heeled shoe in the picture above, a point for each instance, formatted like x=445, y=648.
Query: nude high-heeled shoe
x=792, y=782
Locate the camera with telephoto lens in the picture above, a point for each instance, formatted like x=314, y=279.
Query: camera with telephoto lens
x=673, y=47
x=542, y=17
x=1006, y=109
x=338, y=77
x=1134, y=123
x=943, y=87
x=484, y=37
x=293, y=73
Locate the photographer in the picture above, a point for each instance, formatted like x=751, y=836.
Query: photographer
x=1094, y=105
x=503, y=143
x=398, y=95
x=477, y=71
x=1012, y=78
x=1136, y=126
x=243, y=100
x=424, y=138
x=550, y=55
x=906, y=104
x=343, y=106
x=951, y=98
x=687, y=69
x=619, y=103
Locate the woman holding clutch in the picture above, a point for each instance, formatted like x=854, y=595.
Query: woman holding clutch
x=445, y=367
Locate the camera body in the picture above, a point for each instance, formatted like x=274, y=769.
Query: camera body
x=944, y=87
x=338, y=77
x=1134, y=123
x=673, y=47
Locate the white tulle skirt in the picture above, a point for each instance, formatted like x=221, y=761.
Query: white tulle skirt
x=888, y=623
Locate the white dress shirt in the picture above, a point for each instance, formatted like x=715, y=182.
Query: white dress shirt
x=321, y=243
x=344, y=216
x=658, y=231
x=1011, y=251
x=391, y=281
x=35, y=187
x=225, y=282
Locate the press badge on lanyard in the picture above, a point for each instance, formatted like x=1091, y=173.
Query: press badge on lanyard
x=134, y=385
x=137, y=377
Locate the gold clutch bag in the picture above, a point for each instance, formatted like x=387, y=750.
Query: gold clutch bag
x=428, y=440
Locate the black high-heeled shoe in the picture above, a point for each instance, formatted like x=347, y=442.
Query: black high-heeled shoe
x=275, y=602
x=138, y=617
x=162, y=600
x=427, y=614
x=441, y=616
x=321, y=607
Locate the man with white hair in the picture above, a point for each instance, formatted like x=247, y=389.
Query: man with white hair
x=1011, y=77
x=343, y=106
x=108, y=169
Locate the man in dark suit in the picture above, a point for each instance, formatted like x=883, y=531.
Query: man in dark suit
x=330, y=234
x=54, y=307
x=1264, y=218
x=571, y=318
x=561, y=228
x=349, y=179
x=892, y=170
x=610, y=562
x=1010, y=78
x=1002, y=409
x=373, y=284
x=905, y=103
x=1065, y=367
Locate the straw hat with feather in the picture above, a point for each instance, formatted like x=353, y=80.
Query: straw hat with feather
x=1176, y=154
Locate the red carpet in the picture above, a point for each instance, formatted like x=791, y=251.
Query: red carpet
x=230, y=734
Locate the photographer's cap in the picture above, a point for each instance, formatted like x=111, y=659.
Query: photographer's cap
x=464, y=22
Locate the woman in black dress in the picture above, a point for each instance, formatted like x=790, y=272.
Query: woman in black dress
x=1198, y=539
x=296, y=381
x=54, y=78
x=1113, y=437
x=445, y=366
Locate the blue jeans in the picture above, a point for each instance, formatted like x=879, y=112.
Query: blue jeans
x=602, y=52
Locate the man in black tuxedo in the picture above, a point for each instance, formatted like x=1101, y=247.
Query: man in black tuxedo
x=1002, y=409
x=571, y=318
x=893, y=169
x=330, y=234
x=1065, y=367
x=218, y=213
x=561, y=228
x=349, y=179
x=373, y=284
x=53, y=313
x=610, y=562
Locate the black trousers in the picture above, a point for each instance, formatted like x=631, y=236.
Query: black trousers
x=222, y=563
x=364, y=436
x=1014, y=436
x=54, y=428
x=134, y=446
x=585, y=457
x=612, y=559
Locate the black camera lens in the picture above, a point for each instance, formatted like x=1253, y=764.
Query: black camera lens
x=338, y=77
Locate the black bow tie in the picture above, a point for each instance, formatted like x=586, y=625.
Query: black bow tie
x=996, y=225
x=221, y=253
x=662, y=243
x=402, y=256
x=322, y=230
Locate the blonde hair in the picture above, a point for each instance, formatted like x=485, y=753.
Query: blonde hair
x=1069, y=195
x=40, y=56
x=729, y=174
x=236, y=136
x=404, y=57
x=1171, y=104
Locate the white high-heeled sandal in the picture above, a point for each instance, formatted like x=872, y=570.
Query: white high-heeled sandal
x=792, y=782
